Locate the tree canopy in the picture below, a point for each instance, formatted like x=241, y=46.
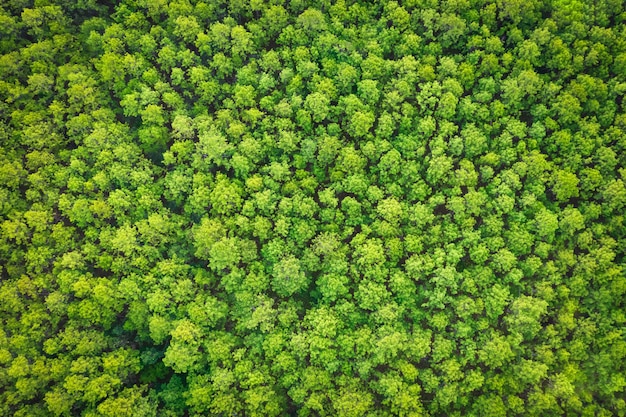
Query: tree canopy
x=312, y=207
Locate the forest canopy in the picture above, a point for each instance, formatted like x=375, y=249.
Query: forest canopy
x=312, y=208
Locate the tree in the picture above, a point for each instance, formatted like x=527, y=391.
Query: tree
x=318, y=104
x=182, y=354
x=615, y=194
x=224, y=254
x=352, y=403
x=187, y=28
x=525, y=316
x=361, y=123
x=547, y=223
x=565, y=185
x=496, y=352
x=225, y=198
x=288, y=277
x=312, y=20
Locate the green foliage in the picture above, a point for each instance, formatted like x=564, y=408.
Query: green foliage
x=312, y=208
x=288, y=277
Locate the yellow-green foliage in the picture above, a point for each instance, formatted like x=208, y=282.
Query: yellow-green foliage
x=350, y=208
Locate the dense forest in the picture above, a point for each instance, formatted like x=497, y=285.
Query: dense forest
x=312, y=208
